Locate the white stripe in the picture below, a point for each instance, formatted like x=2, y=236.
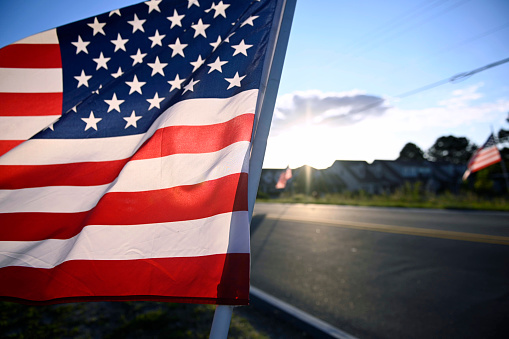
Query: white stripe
x=182, y=169
x=191, y=238
x=46, y=37
x=193, y=112
x=23, y=128
x=31, y=80
x=140, y=175
x=51, y=199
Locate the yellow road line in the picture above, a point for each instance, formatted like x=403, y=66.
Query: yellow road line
x=421, y=232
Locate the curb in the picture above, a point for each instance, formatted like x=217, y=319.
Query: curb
x=312, y=325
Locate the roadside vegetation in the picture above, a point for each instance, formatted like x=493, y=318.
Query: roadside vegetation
x=128, y=320
x=410, y=196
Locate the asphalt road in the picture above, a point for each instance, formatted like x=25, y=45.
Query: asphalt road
x=387, y=272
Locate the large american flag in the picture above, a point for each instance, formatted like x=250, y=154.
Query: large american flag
x=485, y=156
x=126, y=146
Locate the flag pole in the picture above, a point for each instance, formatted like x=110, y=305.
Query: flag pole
x=273, y=67
x=502, y=163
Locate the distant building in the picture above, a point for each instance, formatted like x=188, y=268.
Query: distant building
x=378, y=177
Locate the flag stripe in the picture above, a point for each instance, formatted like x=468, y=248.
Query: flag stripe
x=189, y=238
x=31, y=80
x=7, y=145
x=31, y=104
x=220, y=278
x=23, y=128
x=71, y=199
x=165, y=142
x=46, y=37
x=30, y=56
x=211, y=198
x=62, y=151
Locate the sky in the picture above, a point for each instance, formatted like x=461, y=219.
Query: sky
x=348, y=67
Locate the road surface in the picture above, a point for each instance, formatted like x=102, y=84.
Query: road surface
x=387, y=272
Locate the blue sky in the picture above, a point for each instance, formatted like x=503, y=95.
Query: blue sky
x=346, y=55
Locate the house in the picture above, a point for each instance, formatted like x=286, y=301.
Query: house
x=380, y=176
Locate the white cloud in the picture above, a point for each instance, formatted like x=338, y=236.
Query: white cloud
x=313, y=108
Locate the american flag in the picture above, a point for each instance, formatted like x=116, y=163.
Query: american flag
x=485, y=156
x=126, y=141
x=283, y=178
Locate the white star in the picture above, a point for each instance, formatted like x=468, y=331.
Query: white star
x=97, y=90
x=137, y=24
x=81, y=46
x=211, y=7
x=177, y=83
x=220, y=9
x=228, y=37
x=138, y=57
x=75, y=109
x=175, y=19
x=91, y=121
x=118, y=74
x=157, y=67
x=249, y=20
x=216, y=65
x=97, y=26
x=197, y=63
x=241, y=48
x=155, y=101
x=116, y=11
x=114, y=103
x=177, y=48
x=101, y=61
x=135, y=85
x=190, y=86
x=200, y=28
x=216, y=44
x=153, y=5
x=192, y=2
x=82, y=79
x=119, y=43
x=156, y=39
x=235, y=81
x=131, y=120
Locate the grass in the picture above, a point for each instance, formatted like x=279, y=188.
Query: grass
x=116, y=320
x=409, y=198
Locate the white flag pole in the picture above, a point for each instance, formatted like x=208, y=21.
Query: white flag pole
x=271, y=75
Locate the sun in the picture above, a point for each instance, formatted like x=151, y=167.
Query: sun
x=301, y=145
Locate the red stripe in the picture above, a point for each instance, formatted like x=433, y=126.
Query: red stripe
x=31, y=56
x=222, y=278
x=30, y=104
x=196, y=139
x=166, y=141
x=6, y=146
x=223, y=195
x=78, y=174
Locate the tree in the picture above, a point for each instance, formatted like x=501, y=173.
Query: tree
x=411, y=152
x=455, y=150
x=503, y=135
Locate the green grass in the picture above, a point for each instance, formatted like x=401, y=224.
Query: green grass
x=400, y=199
x=116, y=320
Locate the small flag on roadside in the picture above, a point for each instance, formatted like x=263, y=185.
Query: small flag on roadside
x=485, y=156
x=283, y=178
x=126, y=144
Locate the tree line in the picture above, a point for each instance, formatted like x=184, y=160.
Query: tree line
x=450, y=149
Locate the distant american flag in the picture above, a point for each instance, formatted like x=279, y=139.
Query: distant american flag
x=485, y=156
x=125, y=141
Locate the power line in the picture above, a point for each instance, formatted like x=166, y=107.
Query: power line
x=404, y=30
x=453, y=79
x=420, y=9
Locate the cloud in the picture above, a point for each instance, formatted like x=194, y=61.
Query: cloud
x=318, y=108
